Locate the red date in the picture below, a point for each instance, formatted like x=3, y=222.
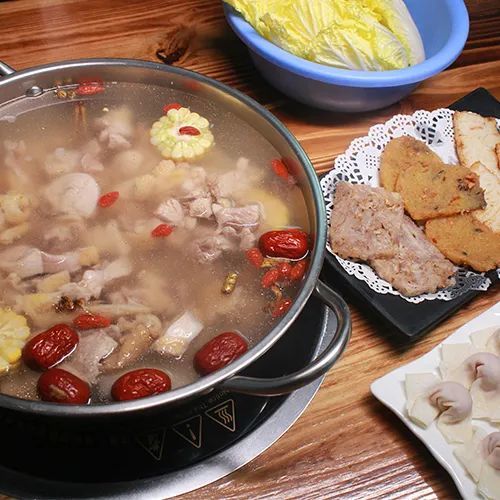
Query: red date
x=49, y=348
x=60, y=386
x=287, y=243
x=219, y=352
x=140, y=383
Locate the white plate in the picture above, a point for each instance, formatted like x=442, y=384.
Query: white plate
x=390, y=391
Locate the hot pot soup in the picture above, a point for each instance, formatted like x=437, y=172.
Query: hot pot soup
x=144, y=242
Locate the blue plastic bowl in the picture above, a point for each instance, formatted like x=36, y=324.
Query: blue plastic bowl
x=443, y=26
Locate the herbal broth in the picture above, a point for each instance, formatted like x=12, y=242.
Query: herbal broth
x=159, y=250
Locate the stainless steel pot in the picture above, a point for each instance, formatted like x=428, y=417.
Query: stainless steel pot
x=28, y=87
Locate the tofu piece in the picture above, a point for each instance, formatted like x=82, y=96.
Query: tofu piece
x=476, y=139
x=489, y=482
x=487, y=340
x=469, y=454
x=456, y=432
x=423, y=412
x=452, y=356
x=485, y=404
x=175, y=341
x=419, y=408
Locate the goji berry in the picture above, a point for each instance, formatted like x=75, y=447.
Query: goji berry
x=162, y=231
x=298, y=270
x=91, y=321
x=108, y=199
x=188, y=130
x=284, y=268
x=281, y=307
x=168, y=107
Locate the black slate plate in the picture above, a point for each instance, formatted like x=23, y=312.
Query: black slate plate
x=413, y=320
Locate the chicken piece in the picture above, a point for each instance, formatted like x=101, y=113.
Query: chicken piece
x=365, y=222
x=151, y=290
x=117, y=310
x=65, y=234
x=232, y=183
x=27, y=261
x=90, y=286
x=209, y=248
x=16, y=160
x=137, y=337
x=94, y=280
x=194, y=184
x=179, y=335
x=128, y=162
x=171, y=211
x=69, y=261
x=90, y=161
x=62, y=161
x=73, y=194
x=86, y=361
x=237, y=217
x=116, y=128
x=201, y=208
x=22, y=260
x=108, y=239
x=418, y=266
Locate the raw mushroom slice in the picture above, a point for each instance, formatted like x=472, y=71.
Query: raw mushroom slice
x=470, y=453
x=93, y=347
x=73, y=194
x=455, y=406
x=491, y=448
x=179, y=335
x=420, y=410
x=489, y=478
x=486, y=370
x=452, y=356
x=481, y=371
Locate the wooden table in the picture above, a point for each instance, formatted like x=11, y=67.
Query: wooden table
x=346, y=445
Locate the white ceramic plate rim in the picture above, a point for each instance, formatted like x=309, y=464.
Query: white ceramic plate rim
x=389, y=390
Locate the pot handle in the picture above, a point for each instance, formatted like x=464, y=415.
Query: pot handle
x=319, y=366
x=5, y=69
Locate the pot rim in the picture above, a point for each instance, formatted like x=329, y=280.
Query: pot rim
x=206, y=383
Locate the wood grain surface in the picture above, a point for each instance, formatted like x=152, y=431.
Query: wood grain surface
x=346, y=445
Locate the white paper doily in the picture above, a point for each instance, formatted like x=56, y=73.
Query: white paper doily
x=360, y=165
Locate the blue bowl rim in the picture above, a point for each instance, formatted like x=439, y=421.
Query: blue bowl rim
x=351, y=78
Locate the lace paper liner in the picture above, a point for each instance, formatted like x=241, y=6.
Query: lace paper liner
x=360, y=165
